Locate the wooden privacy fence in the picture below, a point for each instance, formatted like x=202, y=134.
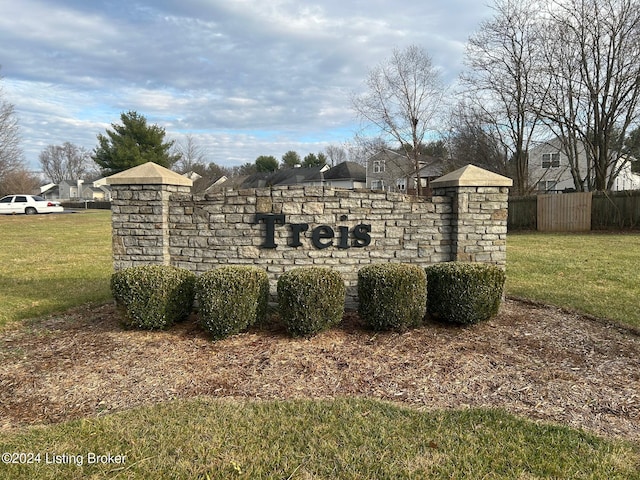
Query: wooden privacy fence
x=523, y=213
x=567, y=212
x=616, y=210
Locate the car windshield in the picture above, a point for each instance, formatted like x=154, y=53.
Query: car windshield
x=38, y=199
x=6, y=199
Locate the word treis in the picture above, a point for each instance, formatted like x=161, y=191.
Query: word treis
x=322, y=236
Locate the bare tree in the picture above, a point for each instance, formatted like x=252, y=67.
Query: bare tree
x=471, y=141
x=593, y=57
x=19, y=180
x=190, y=154
x=11, y=157
x=503, y=61
x=403, y=98
x=65, y=162
x=336, y=154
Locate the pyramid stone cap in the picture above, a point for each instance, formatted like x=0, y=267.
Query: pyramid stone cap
x=471, y=176
x=149, y=174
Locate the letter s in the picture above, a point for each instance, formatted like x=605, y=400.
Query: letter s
x=361, y=237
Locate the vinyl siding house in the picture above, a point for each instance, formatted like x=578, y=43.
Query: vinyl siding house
x=549, y=170
x=350, y=175
x=69, y=190
x=392, y=171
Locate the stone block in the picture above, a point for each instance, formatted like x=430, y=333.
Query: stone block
x=263, y=204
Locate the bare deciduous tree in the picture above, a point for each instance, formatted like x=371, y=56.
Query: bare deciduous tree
x=11, y=157
x=403, y=97
x=471, y=141
x=65, y=162
x=570, y=65
x=19, y=180
x=503, y=61
x=189, y=153
x=335, y=154
x=593, y=58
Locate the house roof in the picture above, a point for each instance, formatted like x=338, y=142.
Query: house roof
x=385, y=154
x=296, y=176
x=432, y=167
x=347, y=171
x=48, y=187
x=290, y=176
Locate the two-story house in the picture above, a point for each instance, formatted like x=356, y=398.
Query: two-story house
x=391, y=171
x=550, y=171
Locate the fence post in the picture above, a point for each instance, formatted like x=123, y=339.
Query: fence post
x=479, y=214
x=140, y=214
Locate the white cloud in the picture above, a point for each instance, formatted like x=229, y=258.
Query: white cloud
x=245, y=77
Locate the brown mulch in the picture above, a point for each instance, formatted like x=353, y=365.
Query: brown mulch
x=531, y=360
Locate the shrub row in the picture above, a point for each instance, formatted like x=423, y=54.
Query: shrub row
x=232, y=298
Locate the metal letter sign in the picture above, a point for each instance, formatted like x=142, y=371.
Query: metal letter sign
x=322, y=236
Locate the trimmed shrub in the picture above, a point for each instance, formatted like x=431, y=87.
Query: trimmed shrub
x=464, y=293
x=232, y=298
x=311, y=299
x=392, y=296
x=153, y=296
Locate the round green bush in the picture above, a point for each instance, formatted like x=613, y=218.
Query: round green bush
x=311, y=299
x=392, y=296
x=153, y=296
x=232, y=298
x=464, y=293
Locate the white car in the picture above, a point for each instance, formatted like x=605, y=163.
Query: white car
x=29, y=204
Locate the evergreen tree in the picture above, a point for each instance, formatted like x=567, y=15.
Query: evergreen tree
x=266, y=163
x=132, y=143
x=290, y=159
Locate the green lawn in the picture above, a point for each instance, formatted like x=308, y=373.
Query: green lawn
x=49, y=263
x=340, y=439
x=54, y=262
x=595, y=273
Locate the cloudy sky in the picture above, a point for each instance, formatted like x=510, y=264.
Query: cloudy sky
x=243, y=77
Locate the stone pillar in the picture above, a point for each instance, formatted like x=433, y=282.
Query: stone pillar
x=140, y=214
x=479, y=210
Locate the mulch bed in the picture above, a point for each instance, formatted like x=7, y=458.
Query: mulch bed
x=531, y=360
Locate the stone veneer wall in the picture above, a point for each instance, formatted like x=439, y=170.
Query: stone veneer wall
x=165, y=224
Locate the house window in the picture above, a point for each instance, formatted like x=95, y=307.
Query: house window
x=548, y=186
x=402, y=184
x=377, y=185
x=551, y=160
x=378, y=166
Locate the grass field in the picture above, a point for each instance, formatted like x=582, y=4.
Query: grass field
x=54, y=262
x=49, y=263
x=595, y=273
x=340, y=439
